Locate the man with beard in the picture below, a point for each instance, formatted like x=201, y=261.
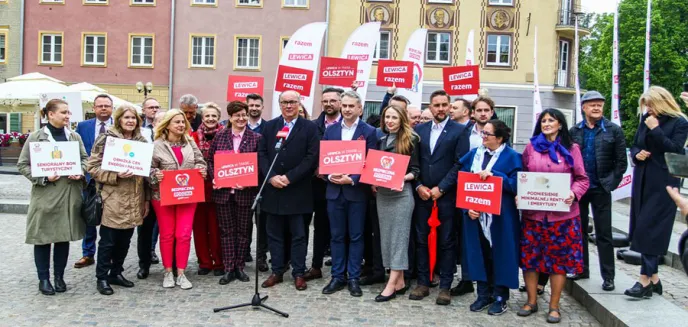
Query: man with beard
x=442, y=144
x=483, y=111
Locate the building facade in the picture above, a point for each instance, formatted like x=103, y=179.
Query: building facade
x=10, y=54
x=215, y=39
x=504, y=48
x=110, y=43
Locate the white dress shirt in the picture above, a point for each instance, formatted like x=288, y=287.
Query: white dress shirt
x=108, y=123
x=348, y=132
x=476, y=139
x=290, y=124
x=435, y=132
x=252, y=127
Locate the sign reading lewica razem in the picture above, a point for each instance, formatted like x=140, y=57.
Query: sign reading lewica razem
x=342, y=157
x=295, y=79
x=238, y=87
x=461, y=80
x=55, y=158
x=543, y=191
x=121, y=155
x=395, y=73
x=480, y=195
x=232, y=169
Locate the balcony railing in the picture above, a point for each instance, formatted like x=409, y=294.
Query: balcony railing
x=563, y=79
x=568, y=18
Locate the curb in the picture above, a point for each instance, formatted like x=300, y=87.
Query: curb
x=14, y=207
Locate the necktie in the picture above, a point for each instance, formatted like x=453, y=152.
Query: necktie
x=102, y=128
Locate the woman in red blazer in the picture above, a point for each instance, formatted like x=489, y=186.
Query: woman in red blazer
x=234, y=204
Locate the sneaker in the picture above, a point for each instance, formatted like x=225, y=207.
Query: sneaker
x=184, y=283
x=168, y=280
x=497, y=308
x=481, y=304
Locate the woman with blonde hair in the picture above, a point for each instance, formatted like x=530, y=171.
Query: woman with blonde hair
x=126, y=200
x=663, y=129
x=395, y=206
x=174, y=149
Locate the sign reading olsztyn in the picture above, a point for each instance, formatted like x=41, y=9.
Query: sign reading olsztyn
x=50, y=158
x=342, y=157
x=121, y=155
x=236, y=168
x=543, y=191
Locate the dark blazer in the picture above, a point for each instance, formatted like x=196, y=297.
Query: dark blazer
x=319, y=184
x=298, y=160
x=414, y=163
x=610, y=152
x=259, y=128
x=357, y=192
x=87, y=130
x=223, y=142
x=442, y=166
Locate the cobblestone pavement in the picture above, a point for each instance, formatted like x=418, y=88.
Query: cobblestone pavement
x=148, y=304
x=14, y=187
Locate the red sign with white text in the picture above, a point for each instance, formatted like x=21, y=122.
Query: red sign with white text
x=461, y=80
x=472, y=193
x=296, y=79
x=337, y=71
x=385, y=169
x=341, y=157
x=238, y=87
x=395, y=73
x=181, y=186
x=232, y=169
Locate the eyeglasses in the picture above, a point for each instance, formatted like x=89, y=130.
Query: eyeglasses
x=486, y=134
x=288, y=103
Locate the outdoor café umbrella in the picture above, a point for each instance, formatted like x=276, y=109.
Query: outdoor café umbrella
x=433, y=221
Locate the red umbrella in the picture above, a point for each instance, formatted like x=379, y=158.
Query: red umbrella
x=433, y=221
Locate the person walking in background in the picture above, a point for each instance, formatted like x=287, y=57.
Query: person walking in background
x=54, y=216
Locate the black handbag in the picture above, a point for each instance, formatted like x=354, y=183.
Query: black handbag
x=92, y=208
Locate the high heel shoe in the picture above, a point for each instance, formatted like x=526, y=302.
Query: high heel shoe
x=657, y=288
x=382, y=298
x=639, y=291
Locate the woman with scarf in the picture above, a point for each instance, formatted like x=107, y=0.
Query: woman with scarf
x=493, y=239
x=205, y=230
x=551, y=242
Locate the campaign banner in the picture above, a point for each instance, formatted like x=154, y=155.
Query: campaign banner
x=537, y=100
x=73, y=100
x=385, y=169
x=361, y=47
x=337, y=71
x=181, y=186
x=461, y=80
x=55, y=158
x=342, y=157
x=232, y=169
x=302, y=52
x=543, y=191
x=238, y=87
x=470, y=60
x=625, y=188
x=395, y=73
x=415, y=52
x=121, y=155
x=576, y=50
x=616, y=117
x=480, y=195
x=296, y=79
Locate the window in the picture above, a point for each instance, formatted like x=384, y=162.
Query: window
x=249, y=3
x=501, y=2
x=247, y=55
x=142, y=2
x=441, y=1
x=94, y=49
x=383, y=45
x=498, y=50
x=568, y=113
x=95, y=2
x=212, y=3
x=59, y=2
x=202, y=51
x=10, y=122
x=284, y=40
x=371, y=108
x=50, y=51
x=295, y=3
x=507, y=114
x=438, y=48
x=141, y=49
x=3, y=46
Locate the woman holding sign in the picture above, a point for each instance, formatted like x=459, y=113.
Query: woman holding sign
x=126, y=200
x=493, y=239
x=234, y=203
x=395, y=206
x=173, y=150
x=54, y=215
x=552, y=242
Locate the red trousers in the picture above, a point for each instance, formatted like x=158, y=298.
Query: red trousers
x=207, y=237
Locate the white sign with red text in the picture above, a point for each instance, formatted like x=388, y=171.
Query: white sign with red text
x=361, y=47
x=543, y=191
x=55, y=158
x=415, y=52
x=121, y=155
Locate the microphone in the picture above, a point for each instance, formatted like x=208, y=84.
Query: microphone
x=281, y=136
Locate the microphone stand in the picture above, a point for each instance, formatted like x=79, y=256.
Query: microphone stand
x=257, y=301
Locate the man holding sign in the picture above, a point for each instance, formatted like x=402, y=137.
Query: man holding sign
x=347, y=199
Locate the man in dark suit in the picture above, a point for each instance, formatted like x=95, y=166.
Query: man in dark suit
x=89, y=131
x=288, y=196
x=346, y=201
x=443, y=143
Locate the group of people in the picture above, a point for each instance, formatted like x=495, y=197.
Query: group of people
x=367, y=229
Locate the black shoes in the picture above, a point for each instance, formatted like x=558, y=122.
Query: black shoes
x=60, y=285
x=227, y=278
x=464, y=287
x=104, y=287
x=657, y=288
x=262, y=265
x=382, y=298
x=639, y=291
x=241, y=275
x=218, y=272
x=154, y=258
x=608, y=285
x=334, y=286
x=45, y=287
x=371, y=280
x=248, y=258
x=355, y=288
x=143, y=273
x=120, y=281
x=203, y=271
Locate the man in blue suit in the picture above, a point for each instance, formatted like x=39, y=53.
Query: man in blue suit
x=89, y=131
x=346, y=201
x=442, y=144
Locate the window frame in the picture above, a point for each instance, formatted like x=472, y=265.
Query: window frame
x=132, y=3
x=305, y=7
x=282, y=45
x=84, y=35
x=40, y=48
x=235, y=61
x=514, y=129
x=204, y=4
x=498, y=53
x=500, y=4
x=389, y=46
x=242, y=5
x=51, y=2
x=191, y=64
x=427, y=47
x=99, y=3
x=443, y=2
x=130, y=48
x=5, y=31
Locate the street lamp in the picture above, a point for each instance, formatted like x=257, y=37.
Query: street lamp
x=147, y=89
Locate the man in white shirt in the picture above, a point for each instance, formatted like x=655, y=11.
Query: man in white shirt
x=461, y=111
x=483, y=110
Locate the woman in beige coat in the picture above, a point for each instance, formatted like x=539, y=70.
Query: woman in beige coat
x=174, y=149
x=126, y=200
x=55, y=209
